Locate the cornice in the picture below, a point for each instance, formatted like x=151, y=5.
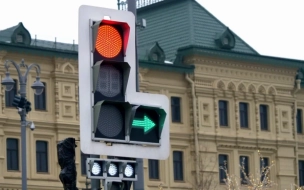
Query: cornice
x=40, y=51
x=158, y=87
x=191, y=50
x=60, y=75
x=239, y=87
x=246, y=147
x=244, y=72
x=180, y=136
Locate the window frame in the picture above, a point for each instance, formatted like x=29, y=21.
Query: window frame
x=299, y=120
x=264, y=123
x=153, y=167
x=266, y=164
x=244, y=122
x=176, y=109
x=221, y=171
x=223, y=113
x=8, y=101
x=246, y=167
x=301, y=172
x=8, y=159
x=180, y=166
x=41, y=153
x=38, y=106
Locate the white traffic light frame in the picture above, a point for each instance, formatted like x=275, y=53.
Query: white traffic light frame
x=87, y=146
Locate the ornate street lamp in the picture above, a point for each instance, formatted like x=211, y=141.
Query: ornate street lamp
x=38, y=87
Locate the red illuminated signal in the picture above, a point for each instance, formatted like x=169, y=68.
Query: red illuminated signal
x=109, y=41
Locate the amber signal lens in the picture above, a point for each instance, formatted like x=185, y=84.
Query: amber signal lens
x=108, y=42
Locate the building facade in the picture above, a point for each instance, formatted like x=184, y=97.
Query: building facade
x=227, y=103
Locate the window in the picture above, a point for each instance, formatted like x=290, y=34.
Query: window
x=176, y=109
x=223, y=164
x=42, y=156
x=244, y=162
x=155, y=57
x=83, y=163
x=10, y=95
x=244, y=115
x=40, y=100
x=264, y=117
x=19, y=38
x=153, y=169
x=301, y=173
x=12, y=154
x=223, y=112
x=178, y=165
x=299, y=121
x=264, y=163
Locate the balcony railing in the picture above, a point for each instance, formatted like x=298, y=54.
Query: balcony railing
x=123, y=4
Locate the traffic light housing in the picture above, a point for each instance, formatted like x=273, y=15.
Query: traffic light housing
x=111, y=169
x=66, y=161
x=28, y=106
x=19, y=102
x=147, y=125
x=110, y=79
x=115, y=119
x=23, y=103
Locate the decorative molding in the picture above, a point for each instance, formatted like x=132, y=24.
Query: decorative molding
x=243, y=86
x=245, y=147
x=276, y=116
x=248, y=71
x=77, y=100
x=237, y=121
x=2, y=55
x=68, y=68
x=3, y=98
x=56, y=99
x=65, y=65
x=216, y=117
x=142, y=73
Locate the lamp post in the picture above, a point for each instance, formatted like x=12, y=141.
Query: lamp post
x=38, y=87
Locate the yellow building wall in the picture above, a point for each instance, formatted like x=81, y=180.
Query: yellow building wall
x=214, y=80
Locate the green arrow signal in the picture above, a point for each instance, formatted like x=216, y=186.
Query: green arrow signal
x=146, y=124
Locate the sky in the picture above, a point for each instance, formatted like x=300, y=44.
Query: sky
x=272, y=27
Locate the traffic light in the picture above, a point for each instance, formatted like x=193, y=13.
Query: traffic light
x=28, y=107
x=19, y=101
x=111, y=169
x=112, y=113
x=110, y=79
x=147, y=124
x=66, y=160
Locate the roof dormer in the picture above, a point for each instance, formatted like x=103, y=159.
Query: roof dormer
x=225, y=40
x=17, y=35
x=21, y=35
x=156, y=54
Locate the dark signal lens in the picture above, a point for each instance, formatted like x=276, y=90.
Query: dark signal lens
x=109, y=41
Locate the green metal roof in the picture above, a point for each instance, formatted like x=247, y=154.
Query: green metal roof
x=175, y=28
x=193, y=50
x=178, y=23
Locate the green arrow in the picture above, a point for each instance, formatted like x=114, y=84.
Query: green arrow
x=146, y=124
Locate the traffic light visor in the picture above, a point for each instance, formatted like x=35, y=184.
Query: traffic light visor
x=109, y=41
